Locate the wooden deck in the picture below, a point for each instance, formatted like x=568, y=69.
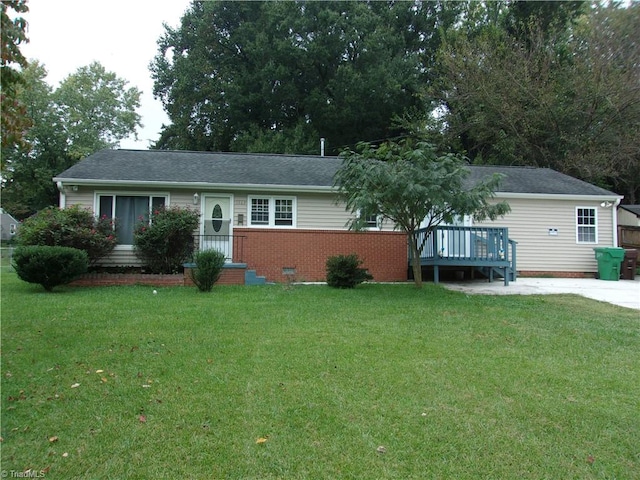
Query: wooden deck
x=488, y=249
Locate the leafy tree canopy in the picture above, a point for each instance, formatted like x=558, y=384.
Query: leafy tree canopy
x=408, y=183
x=96, y=109
x=90, y=110
x=12, y=33
x=567, y=98
x=246, y=75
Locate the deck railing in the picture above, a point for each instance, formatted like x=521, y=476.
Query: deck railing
x=231, y=245
x=467, y=246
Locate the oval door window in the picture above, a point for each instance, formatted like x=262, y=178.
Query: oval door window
x=216, y=218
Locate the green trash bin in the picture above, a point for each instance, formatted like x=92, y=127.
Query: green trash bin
x=609, y=259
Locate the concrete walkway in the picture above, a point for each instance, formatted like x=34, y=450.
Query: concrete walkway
x=625, y=293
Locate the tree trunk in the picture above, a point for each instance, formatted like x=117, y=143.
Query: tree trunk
x=415, y=261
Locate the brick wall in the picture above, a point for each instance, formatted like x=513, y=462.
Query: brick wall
x=269, y=251
x=229, y=276
x=552, y=274
x=111, y=279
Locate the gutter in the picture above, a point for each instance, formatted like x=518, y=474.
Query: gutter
x=558, y=196
x=614, y=221
x=62, y=183
x=62, y=202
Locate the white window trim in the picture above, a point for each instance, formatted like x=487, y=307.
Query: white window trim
x=595, y=226
x=367, y=227
x=126, y=193
x=272, y=210
x=378, y=226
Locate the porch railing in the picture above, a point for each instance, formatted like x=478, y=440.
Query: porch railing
x=468, y=246
x=231, y=245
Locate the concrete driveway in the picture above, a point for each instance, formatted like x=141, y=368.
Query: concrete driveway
x=625, y=293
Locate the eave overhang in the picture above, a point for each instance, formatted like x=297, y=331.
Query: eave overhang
x=558, y=196
x=63, y=182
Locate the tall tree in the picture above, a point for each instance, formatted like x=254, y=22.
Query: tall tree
x=569, y=102
x=604, y=94
x=548, y=17
x=97, y=109
x=408, y=182
x=60, y=135
x=14, y=121
x=245, y=75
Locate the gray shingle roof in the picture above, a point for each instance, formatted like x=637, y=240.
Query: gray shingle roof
x=165, y=166
x=184, y=167
x=537, y=180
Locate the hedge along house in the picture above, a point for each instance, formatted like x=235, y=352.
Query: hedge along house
x=279, y=215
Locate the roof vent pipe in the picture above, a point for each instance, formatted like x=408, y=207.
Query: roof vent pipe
x=322, y=147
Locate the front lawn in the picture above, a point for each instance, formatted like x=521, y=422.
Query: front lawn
x=383, y=381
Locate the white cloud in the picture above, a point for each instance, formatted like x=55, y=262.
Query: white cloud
x=65, y=35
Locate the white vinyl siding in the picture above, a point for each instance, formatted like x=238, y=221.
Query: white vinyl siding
x=625, y=217
x=83, y=196
x=546, y=234
x=311, y=211
x=318, y=211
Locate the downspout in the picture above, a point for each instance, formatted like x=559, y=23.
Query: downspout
x=63, y=196
x=614, y=221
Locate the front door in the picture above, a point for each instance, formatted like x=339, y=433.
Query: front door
x=217, y=228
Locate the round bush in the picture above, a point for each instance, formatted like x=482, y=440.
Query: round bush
x=207, y=270
x=71, y=227
x=49, y=266
x=343, y=271
x=166, y=241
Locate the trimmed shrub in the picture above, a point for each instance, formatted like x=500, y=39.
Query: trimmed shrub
x=49, y=266
x=165, y=242
x=343, y=271
x=207, y=270
x=71, y=227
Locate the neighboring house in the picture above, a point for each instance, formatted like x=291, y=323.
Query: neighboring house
x=629, y=215
x=629, y=226
x=8, y=226
x=279, y=213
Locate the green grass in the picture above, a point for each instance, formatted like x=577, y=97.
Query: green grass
x=452, y=386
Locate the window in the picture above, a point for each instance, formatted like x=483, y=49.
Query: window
x=127, y=210
x=371, y=221
x=260, y=211
x=272, y=211
x=284, y=212
x=586, y=225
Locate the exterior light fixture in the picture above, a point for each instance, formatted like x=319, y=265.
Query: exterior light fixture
x=195, y=198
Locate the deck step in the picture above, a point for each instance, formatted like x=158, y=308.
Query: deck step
x=496, y=272
x=250, y=278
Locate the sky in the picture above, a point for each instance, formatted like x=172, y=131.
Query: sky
x=65, y=35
